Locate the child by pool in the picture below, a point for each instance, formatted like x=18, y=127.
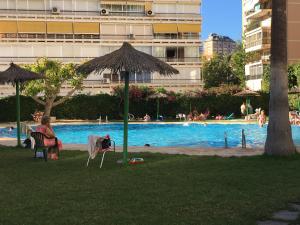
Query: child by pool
x=262, y=118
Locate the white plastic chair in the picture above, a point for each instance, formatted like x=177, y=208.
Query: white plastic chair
x=93, y=149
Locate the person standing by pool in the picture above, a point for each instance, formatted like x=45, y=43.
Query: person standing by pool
x=51, y=141
x=243, y=109
x=262, y=118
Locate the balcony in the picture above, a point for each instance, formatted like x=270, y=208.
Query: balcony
x=105, y=85
x=261, y=10
x=254, y=71
x=178, y=61
x=95, y=16
x=260, y=40
x=252, y=26
x=106, y=40
x=261, y=13
x=254, y=77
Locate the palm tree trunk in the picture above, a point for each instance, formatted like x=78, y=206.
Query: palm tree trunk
x=279, y=139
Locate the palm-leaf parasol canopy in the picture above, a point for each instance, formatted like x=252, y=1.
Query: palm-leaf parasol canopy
x=16, y=75
x=247, y=94
x=128, y=61
x=158, y=95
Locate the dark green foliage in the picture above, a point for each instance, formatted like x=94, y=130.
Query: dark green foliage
x=91, y=107
x=293, y=77
x=238, y=61
x=266, y=79
x=88, y=107
x=217, y=72
x=8, y=108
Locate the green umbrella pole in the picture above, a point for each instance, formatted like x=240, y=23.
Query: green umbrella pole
x=247, y=103
x=298, y=103
x=157, y=112
x=18, y=113
x=126, y=108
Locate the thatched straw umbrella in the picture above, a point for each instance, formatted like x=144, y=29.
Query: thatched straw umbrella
x=247, y=94
x=128, y=61
x=16, y=75
x=158, y=96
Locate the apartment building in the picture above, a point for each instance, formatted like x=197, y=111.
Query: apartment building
x=257, y=32
x=217, y=44
x=78, y=30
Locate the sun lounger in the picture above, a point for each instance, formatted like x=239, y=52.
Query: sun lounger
x=230, y=117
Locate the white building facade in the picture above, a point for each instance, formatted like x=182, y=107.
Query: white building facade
x=257, y=33
x=78, y=30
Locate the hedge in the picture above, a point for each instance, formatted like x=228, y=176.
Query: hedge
x=91, y=107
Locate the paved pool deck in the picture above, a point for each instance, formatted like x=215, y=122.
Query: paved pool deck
x=221, y=152
x=78, y=122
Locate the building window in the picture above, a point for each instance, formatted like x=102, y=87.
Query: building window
x=256, y=72
x=124, y=9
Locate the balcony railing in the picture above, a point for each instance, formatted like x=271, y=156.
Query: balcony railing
x=99, y=37
x=28, y=60
x=253, y=25
x=261, y=42
x=260, y=10
x=93, y=87
x=138, y=81
x=254, y=77
x=92, y=13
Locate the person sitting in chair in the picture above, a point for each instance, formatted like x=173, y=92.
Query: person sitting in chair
x=147, y=118
x=51, y=141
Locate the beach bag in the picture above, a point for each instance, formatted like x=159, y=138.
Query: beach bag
x=106, y=143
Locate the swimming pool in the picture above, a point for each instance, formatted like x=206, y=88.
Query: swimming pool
x=171, y=135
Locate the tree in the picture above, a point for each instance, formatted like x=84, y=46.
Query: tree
x=238, y=62
x=279, y=137
x=293, y=77
x=46, y=92
x=217, y=72
x=265, y=86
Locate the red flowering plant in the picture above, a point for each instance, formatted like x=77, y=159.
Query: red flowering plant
x=136, y=93
x=171, y=96
x=224, y=90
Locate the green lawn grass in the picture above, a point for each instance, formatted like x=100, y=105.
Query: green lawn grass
x=167, y=189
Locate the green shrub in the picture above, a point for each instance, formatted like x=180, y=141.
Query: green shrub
x=294, y=102
x=91, y=107
x=8, y=108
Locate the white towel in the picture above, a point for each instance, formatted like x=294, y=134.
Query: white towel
x=92, y=140
x=32, y=141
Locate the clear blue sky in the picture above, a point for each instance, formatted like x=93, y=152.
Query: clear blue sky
x=222, y=17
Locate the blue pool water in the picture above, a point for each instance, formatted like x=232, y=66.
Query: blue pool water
x=173, y=135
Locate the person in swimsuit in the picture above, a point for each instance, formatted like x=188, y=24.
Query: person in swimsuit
x=262, y=118
x=51, y=141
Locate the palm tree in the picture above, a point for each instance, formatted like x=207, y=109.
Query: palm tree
x=279, y=139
